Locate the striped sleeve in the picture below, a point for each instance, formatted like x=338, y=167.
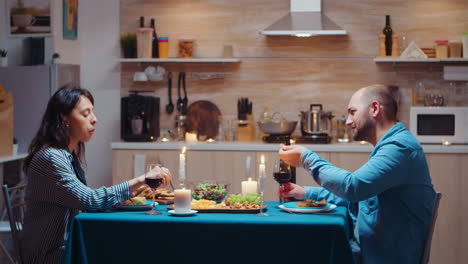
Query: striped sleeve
x=61, y=186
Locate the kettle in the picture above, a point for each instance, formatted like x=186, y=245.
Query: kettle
x=315, y=121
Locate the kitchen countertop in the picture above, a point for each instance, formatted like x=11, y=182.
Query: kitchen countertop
x=261, y=146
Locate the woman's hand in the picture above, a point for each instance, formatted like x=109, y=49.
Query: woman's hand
x=291, y=154
x=160, y=172
x=157, y=172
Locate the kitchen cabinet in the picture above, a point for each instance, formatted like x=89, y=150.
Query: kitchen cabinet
x=182, y=60
x=448, y=173
x=226, y=166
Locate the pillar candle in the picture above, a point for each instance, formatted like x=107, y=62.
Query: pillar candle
x=261, y=173
x=182, y=200
x=249, y=186
x=182, y=166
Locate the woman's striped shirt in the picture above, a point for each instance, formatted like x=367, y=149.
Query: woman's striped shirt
x=54, y=195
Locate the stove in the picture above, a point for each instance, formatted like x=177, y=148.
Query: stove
x=319, y=138
x=277, y=138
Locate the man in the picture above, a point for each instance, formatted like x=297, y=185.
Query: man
x=390, y=198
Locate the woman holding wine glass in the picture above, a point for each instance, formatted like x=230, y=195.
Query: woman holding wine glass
x=56, y=185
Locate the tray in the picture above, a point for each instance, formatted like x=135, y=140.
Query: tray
x=227, y=210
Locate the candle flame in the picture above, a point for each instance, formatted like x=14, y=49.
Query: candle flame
x=262, y=159
x=250, y=179
x=184, y=149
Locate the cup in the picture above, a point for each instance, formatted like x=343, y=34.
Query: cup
x=140, y=77
x=163, y=47
x=182, y=201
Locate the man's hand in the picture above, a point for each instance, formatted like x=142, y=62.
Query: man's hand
x=293, y=192
x=291, y=154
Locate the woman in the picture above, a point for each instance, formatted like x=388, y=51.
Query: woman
x=56, y=189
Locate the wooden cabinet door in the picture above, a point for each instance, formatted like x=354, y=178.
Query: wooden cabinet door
x=449, y=177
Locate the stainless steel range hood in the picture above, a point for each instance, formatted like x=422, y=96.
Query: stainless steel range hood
x=305, y=19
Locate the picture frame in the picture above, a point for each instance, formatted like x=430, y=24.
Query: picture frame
x=29, y=18
x=70, y=19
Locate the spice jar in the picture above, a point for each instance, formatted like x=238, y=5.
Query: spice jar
x=441, y=49
x=186, y=48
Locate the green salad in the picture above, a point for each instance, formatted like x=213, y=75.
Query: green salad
x=210, y=191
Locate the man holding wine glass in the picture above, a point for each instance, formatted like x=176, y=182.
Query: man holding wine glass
x=390, y=198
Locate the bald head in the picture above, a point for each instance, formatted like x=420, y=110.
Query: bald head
x=382, y=94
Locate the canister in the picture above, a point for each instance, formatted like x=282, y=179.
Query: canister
x=465, y=45
x=441, y=49
x=455, y=49
x=144, y=38
x=186, y=48
x=163, y=47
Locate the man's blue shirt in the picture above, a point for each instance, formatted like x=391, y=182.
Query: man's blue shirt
x=390, y=198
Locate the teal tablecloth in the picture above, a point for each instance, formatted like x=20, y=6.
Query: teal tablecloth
x=133, y=237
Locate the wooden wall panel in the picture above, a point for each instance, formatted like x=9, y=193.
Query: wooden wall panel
x=285, y=72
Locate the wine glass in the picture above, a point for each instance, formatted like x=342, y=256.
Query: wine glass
x=153, y=181
x=261, y=189
x=281, y=176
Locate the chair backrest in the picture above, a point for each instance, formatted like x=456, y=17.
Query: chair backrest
x=430, y=232
x=15, y=205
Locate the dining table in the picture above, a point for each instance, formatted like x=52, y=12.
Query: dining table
x=135, y=237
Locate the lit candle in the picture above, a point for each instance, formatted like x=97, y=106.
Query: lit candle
x=182, y=166
x=261, y=173
x=191, y=137
x=249, y=186
x=182, y=200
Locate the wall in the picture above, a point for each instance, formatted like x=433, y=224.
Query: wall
x=289, y=73
x=100, y=74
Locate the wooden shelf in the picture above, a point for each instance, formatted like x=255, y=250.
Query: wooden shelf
x=180, y=60
x=380, y=59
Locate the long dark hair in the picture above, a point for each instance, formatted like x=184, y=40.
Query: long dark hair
x=53, y=131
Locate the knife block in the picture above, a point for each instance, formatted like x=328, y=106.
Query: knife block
x=246, y=132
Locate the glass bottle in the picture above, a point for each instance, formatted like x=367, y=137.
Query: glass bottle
x=142, y=21
x=283, y=166
x=387, y=31
x=154, y=44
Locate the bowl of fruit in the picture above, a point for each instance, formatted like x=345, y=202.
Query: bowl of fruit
x=210, y=190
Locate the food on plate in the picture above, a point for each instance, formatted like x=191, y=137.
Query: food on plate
x=135, y=201
x=160, y=194
x=210, y=191
x=138, y=200
x=207, y=204
x=312, y=203
x=246, y=201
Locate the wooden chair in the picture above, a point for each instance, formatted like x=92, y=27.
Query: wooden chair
x=427, y=247
x=15, y=205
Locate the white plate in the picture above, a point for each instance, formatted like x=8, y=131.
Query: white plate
x=308, y=210
x=192, y=212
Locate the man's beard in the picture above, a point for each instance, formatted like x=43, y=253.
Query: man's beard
x=365, y=132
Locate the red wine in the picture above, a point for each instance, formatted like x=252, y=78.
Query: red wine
x=153, y=183
x=282, y=176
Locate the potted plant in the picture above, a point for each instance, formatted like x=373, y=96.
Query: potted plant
x=3, y=58
x=55, y=58
x=128, y=45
